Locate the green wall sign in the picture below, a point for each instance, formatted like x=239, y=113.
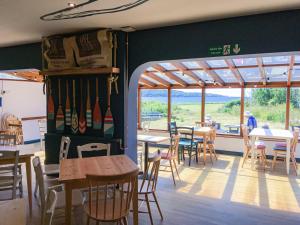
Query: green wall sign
x=229, y=49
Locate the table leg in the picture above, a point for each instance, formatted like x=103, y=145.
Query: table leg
x=68, y=206
x=252, y=151
x=288, y=155
x=204, y=149
x=29, y=183
x=135, y=204
x=146, y=156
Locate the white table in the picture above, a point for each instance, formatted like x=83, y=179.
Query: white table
x=286, y=135
x=13, y=212
x=150, y=139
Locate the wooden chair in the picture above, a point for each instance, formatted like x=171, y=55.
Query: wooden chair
x=8, y=139
x=187, y=143
x=110, y=197
x=93, y=147
x=147, y=185
x=171, y=156
x=260, y=147
x=279, y=151
x=48, y=211
x=172, y=128
x=76, y=200
x=11, y=179
x=43, y=129
x=211, y=145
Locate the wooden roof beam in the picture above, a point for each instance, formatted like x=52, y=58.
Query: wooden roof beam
x=147, y=82
x=290, y=71
x=261, y=70
x=235, y=71
x=211, y=73
x=179, y=66
x=158, y=79
x=178, y=80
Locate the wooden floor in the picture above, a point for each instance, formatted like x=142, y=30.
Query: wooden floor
x=219, y=194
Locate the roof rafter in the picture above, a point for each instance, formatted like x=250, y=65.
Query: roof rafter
x=261, y=70
x=147, y=82
x=188, y=72
x=235, y=71
x=158, y=79
x=290, y=71
x=170, y=75
x=211, y=73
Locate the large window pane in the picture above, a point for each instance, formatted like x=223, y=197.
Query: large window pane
x=295, y=107
x=154, y=108
x=186, y=106
x=267, y=105
x=222, y=107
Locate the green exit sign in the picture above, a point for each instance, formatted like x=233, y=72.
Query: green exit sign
x=224, y=50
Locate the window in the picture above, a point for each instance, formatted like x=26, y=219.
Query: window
x=154, y=108
x=186, y=106
x=267, y=105
x=222, y=108
x=295, y=107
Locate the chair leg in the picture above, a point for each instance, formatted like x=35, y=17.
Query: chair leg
x=149, y=209
x=176, y=169
x=125, y=221
x=210, y=154
x=214, y=151
x=156, y=201
x=246, y=157
x=190, y=156
x=294, y=164
x=35, y=190
x=274, y=160
x=172, y=171
x=88, y=221
x=21, y=189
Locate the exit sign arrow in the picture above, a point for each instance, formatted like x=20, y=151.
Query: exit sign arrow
x=236, y=49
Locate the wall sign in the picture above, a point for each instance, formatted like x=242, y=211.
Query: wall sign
x=228, y=49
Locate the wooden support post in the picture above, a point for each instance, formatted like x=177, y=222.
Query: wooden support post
x=203, y=105
x=287, y=112
x=139, y=109
x=169, y=105
x=242, y=110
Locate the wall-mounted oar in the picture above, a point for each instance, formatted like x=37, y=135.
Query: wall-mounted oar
x=108, y=119
x=74, y=119
x=88, y=107
x=60, y=120
x=68, y=108
x=50, y=105
x=97, y=115
x=82, y=121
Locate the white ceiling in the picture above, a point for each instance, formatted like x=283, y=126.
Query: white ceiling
x=20, y=23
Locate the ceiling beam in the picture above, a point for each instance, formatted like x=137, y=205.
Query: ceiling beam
x=290, y=71
x=158, y=79
x=170, y=75
x=147, y=82
x=235, y=71
x=211, y=73
x=261, y=70
x=179, y=66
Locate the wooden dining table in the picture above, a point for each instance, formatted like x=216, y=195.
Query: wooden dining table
x=23, y=158
x=13, y=212
x=73, y=175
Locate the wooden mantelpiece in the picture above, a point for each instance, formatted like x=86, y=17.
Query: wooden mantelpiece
x=80, y=71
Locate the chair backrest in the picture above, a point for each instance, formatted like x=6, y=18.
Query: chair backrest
x=15, y=155
x=110, y=196
x=213, y=135
x=8, y=139
x=173, y=149
x=146, y=125
x=39, y=178
x=64, y=147
x=172, y=128
x=186, y=134
x=49, y=209
x=202, y=124
x=150, y=177
x=246, y=136
x=295, y=140
x=92, y=147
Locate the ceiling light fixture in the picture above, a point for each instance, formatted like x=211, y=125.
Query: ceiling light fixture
x=70, y=13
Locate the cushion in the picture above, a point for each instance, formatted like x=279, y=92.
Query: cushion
x=260, y=145
x=165, y=155
x=278, y=148
x=198, y=140
x=280, y=144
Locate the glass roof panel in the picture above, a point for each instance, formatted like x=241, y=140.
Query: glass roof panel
x=297, y=58
x=204, y=76
x=150, y=69
x=184, y=77
x=168, y=66
x=296, y=73
x=250, y=74
x=150, y=79
x=273, y=60
x=216, y=63
x=245, y=62
x=226, y=75
x=163, y=76
x=275, y=74
x=191, y=65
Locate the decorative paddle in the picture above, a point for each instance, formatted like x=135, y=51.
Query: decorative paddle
x=82, y=121
x=50, y=106
x=97, y=115
x=88, y=107
x=68, y=109
x=60, y=120
x=74, y=119
x=108, y=119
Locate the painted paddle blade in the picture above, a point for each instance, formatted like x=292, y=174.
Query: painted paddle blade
x=108, y=124
x=50, y=108
x=82, y=121
x=60, y=120
x=68, y=108
x=88, y=107
x=97, y=117
x=74, y=119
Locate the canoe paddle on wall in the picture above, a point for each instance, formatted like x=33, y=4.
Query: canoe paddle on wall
x=97, y=115
x=88, y=107
x=108, y=119
x=50, y=105
x=82, y=121
x=68, y=109
x=74, y=119
x=60, y=120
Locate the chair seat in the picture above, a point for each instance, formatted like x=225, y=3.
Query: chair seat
x=280, y=144
x=198, y=140
x=167, y=156
x=8, y=181
x=186, y=143
x=51, y=169
x=76, y=199
x=278, y=148
x=260, y=145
